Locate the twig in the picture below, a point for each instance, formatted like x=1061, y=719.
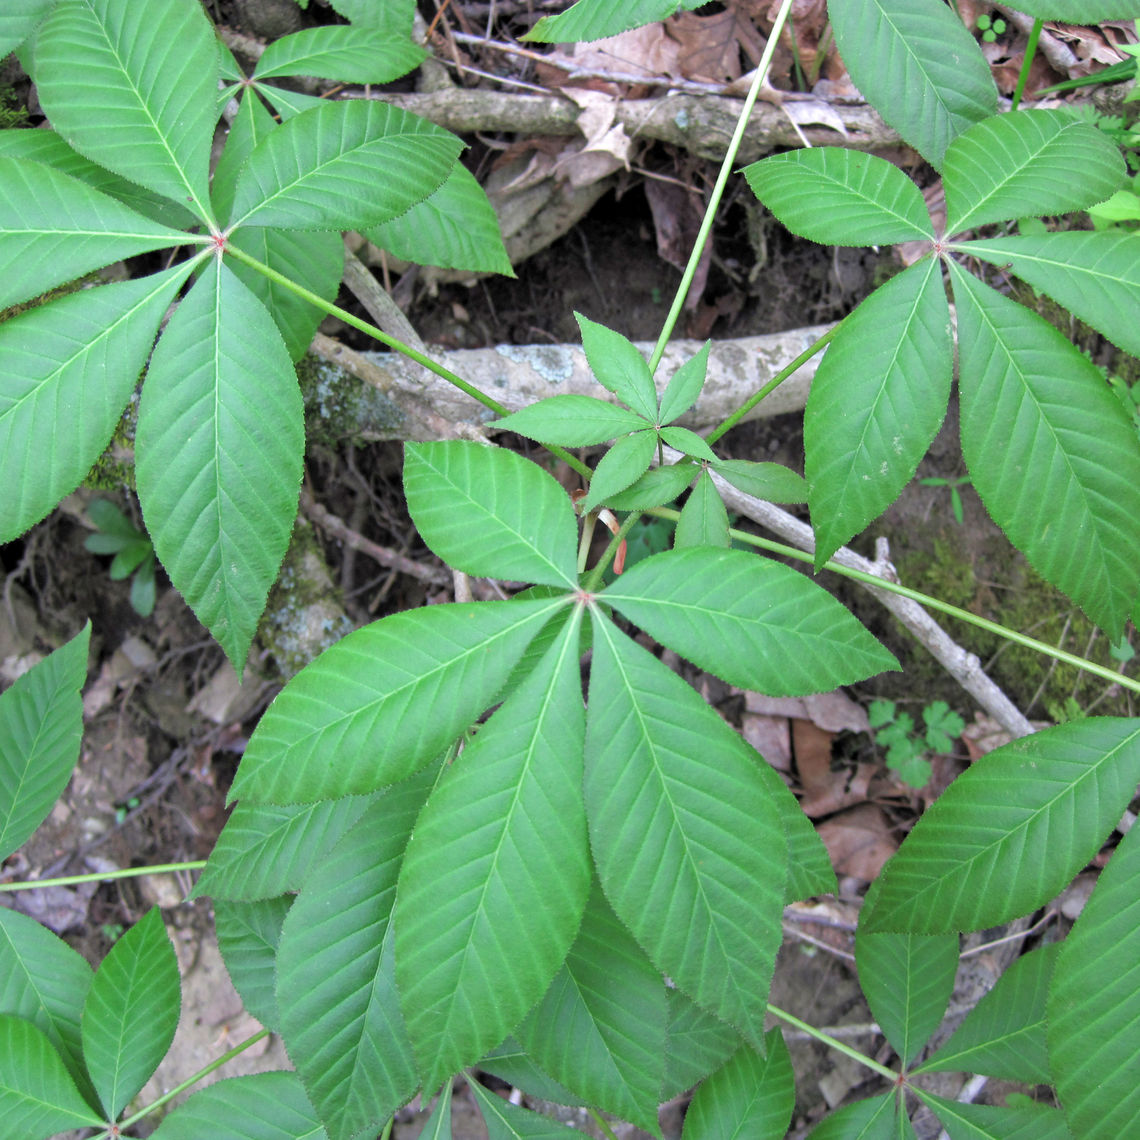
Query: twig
x=377, y=303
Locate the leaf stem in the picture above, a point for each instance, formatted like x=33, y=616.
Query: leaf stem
x=102, y=876
x=594, y=578
x=216, y=1063
x=1027, y=63
x=602, y=1123
x=994, y=627
x=721, y=181
x=833, y=1043
x=397, y=345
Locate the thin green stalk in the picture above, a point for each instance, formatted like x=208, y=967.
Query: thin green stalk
x=773, y=384
x=102, y=876
x=216, y=1063
x=1027, y=63
x=721, y=182
x=601, y=1122
x=926, y=600
x=397, y=345
x=834, y=1043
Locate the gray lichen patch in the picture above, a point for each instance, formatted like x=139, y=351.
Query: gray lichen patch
x=553, y=362
x=339, y=406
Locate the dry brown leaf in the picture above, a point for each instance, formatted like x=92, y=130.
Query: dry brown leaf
x=677, y=213
x=859, y=842
x=835, y=712
x=647, y=51
x=710, y=46
x=1088, y=45
x=771, y=736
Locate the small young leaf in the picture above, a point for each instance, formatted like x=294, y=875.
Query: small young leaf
x=688, y=442
x=620, y=367
x=573, y=421
x=750, y=1096
x=600, y=1029
x=248, y=936
x=838, y=196
x=1026, y=1121
x=704, y=520
x=499, y=858
x=41, y=725
x=659, y=485
x=685, y=386
x=348, y=55
x=491, y=512
x=1004, y=1034
x=1050, y=450
x=385, y=700
x=698, y=1044
x=131, y=1012
x=505, y=1121
x=771, y=481
x=1093, y=1015
x=258, y=1106
x=919, y=68
x=753, y=622
x=1011, y=831
x=37, y=1097
x=625, y=462
x=687, y=842
x=1022, y=164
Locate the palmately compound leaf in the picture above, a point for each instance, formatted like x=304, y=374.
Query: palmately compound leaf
x=67, y=370
x=687, y=842
x=131, y=1012
x=1011, y=831
x=750, y=1096
x=573, y=421
x=257, y=1106
x=248, y=936
x=877, y=400
x=491, y=512
x=598, y=19
x=754, y=622
x=41, y=725
x=45, y=982
x=348, y=55
x=506, y=1121
x=55, y=229
x=152, y=81
x=1093, y=1022
x=1094, y=275
x=385, y=700
x=1051, y=451
x=498, y=867
x=220, y=446
x=919, y=68
x=1004, y=1034
x=600, y=1028
x=37, y=1097
x=455, y=227
x=343, y=166
x=619, y=366
x=907, y=980
x=838, y=196
x=1021, y=165
x=1024, y=1121
x=336, y=981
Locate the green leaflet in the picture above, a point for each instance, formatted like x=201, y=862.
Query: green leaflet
x=1050, y=450
x=343, y=166
x=131, y=1012
x=877, y=1118
x=1011, y=831
x=385, y=700
x=220, y=447
x=1021, y=165
x=491, y=512
x=510, y=1063
x=454, y=227
x=393, y=16
x=685, y=386
x=258, y=1106
x=18, y=20
x=1026, y=1121
x=573, y=421
x=749, y=1098
x=771, y=481
x=156, y=105
x=753, y=622
x=687, y=843
x=600, y=1028
x=438, y=1126
x=659, y=485
x=1004, y=1034
x=877, y=400
x=1093, y=1016
x=507, y=1122
x=1095, y=275
x=37, y=1097
x=597, y=19
x=838, y=196
x=619, y=366
x=1079, y=11
x=82, y=352
x=918, y=66
x=248, y=936
x=41, y=725
x=336, y=983
x=698, y=1043
x=348, y=55
x=687, y=442
x=704, y=519
x=499, y=859
x=626, y=461
x=55, y=228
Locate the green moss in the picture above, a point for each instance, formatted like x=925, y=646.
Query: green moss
x=339, y=407
x=13, y=113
